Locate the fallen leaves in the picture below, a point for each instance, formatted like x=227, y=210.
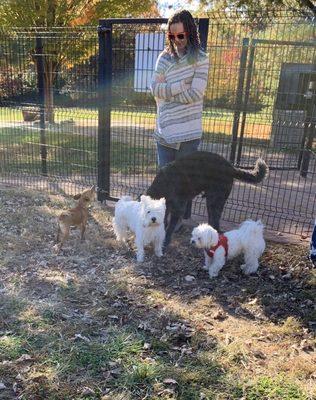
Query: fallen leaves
x=171, y=302
x=220, y=315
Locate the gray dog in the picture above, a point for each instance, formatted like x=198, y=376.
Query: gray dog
x=199, y=172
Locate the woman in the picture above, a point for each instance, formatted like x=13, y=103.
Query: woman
x=178, y=84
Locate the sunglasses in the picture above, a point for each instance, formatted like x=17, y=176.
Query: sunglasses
x=179, y=36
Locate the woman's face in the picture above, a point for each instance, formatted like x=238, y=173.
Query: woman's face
x=175, y=30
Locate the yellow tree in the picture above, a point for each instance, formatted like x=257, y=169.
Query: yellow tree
x=62, y=13
x=43, y=15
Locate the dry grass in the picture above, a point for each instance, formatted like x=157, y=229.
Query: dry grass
x=91, y=323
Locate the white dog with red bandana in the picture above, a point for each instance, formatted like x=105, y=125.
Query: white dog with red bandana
x=247, y=240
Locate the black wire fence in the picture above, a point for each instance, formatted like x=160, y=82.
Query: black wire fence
x=76, y=109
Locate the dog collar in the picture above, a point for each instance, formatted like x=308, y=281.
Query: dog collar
x=222, y=241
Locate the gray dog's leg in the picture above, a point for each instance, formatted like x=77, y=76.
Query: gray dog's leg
x=172, y=224
x=177, y=210
x=215, y=202
x=188, y=210
x=214, y=214
x=166, y=219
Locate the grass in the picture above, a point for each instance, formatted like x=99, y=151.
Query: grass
x=15, y=114
x=10, y=114
x=11, y=347
x=68, y=153
x=77, y=154
x=72, y=154
x=121, y=348
x=121, y=358
x=258, y=124
x=266, y=388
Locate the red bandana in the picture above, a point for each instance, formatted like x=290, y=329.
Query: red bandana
x=222, y=241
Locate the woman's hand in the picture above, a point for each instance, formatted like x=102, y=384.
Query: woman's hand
x=160, y=79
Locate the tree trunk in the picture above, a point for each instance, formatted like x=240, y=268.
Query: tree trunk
x=49, y=69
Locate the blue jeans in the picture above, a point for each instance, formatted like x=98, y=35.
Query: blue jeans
x=167, y=155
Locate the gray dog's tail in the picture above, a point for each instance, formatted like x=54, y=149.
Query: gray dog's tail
x=259, y=172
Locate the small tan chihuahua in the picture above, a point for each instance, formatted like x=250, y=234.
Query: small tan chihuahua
x=77, y=216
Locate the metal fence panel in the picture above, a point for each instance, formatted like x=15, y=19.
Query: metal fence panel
x=241, y=115
x=48, y=114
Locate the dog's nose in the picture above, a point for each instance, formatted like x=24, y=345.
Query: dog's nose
x=192, y=241
x=154, y=219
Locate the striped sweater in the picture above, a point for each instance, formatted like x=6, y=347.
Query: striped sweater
x=180, y=98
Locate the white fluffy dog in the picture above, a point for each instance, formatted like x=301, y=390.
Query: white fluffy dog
x=145, y=219
x=247, y=240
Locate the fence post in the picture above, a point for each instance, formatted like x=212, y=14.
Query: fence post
x=203, y=32
x=239, y=97
x=310, y=125
x=41, y=95
x=104, y=108
x=246, y=99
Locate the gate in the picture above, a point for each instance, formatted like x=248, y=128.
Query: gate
x=128, y=50
x=288, y=120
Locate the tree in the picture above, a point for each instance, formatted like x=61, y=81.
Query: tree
x=62, y=13
x=254, y=6
x=46, y=14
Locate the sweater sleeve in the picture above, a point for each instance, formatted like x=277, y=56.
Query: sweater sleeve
x=198, y=86
x=165, y=90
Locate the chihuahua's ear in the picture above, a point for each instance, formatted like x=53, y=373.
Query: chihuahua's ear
x=77, y=196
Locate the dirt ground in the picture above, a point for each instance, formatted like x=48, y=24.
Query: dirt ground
x=186, y=336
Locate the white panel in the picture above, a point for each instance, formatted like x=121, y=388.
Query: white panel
x=148, y=46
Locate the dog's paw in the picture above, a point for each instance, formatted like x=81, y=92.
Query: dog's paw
x=140, y=258
x=57, y=248
x=248, y=269
x=244, y=269
x=212, y=274
x=159, y=253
